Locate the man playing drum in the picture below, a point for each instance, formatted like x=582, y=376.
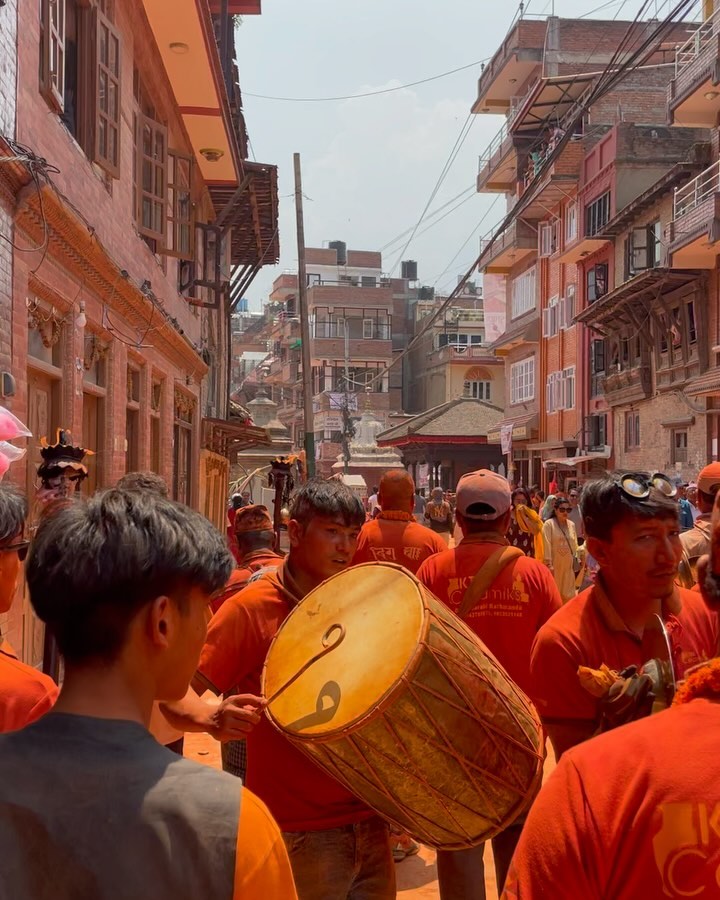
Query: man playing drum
x=339, y=848
x=505, y=598
x=632, y=530
x=394, y=536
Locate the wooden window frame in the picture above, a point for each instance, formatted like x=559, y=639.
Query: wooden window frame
x=591, y=281
x=682, y=458
x=52, y=53
x=632, y=430
x=106, y=116
x=176, y=221
x=156, y=195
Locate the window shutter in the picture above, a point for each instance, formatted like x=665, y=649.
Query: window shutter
x=152, y=178
x=546, y=322
x=52, y=52
x=180, y=208
x=106, y=119
x=368, y=328
x=639, y=240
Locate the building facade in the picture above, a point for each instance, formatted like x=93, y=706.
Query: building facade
x=131, y=238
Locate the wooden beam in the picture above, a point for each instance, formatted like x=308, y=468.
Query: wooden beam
x=227, y=210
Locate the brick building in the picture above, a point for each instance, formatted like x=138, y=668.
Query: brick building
x=136, y=221
x=554, y=256
x=356, y=323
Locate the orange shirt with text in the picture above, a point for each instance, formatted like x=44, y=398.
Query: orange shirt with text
x=633, y=813
x=299, y=794
x=25, y=693
x=404, y=543
x=588, y=632
x=522, y=598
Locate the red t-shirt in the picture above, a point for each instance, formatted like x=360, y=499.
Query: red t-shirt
x=299, y=794
x=250, y=564
x=522, y=598
x=631, y=814
x=403, y=542
x=588, y=631
x=25, y=693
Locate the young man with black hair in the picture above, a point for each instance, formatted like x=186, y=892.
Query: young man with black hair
x=143, y=481
x=509, y=606
x=339, y=849
x=25, y=693
x=632, y=530
x=91, y=806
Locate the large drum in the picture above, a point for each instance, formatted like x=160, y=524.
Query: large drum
x=394, y=696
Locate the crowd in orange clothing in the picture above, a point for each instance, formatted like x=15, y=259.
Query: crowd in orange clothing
x=125, y=581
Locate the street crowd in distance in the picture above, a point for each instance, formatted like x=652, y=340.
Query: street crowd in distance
x=589, y=615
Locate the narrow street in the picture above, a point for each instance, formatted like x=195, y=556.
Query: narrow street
x=417, y=876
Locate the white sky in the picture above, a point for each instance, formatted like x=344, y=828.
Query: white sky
x=369, y=164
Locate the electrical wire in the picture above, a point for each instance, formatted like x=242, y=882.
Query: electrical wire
x=468, y=190
x=604, y=84
x=391, y=90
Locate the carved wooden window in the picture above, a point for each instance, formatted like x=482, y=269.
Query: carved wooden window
x=52, y=52
x=152, y=178
x=106, y=124
x=180, y=209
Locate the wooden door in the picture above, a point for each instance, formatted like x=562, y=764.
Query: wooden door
x=43, y=415
x=92, y=440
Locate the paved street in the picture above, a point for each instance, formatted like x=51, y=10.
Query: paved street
x=417, y=877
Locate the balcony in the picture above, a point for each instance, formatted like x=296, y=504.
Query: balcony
x=520, y=54
x=557, y=179
x=476, y=353
x=367, y=329
x=628, y=385
x=695, y=229
x=518, y=242
x=693, y=94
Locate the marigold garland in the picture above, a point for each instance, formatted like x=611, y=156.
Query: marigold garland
x=704, y=682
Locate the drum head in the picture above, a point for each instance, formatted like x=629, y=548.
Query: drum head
x=381, y=611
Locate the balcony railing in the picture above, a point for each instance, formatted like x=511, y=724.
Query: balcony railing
x=697, y=191
x=357, y=330
x=697, y=42
x=493, y=147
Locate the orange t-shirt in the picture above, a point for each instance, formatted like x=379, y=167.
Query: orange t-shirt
x=403, y=542
x=632, y=813
x=299, y=794
x=588, y=631
x=25, y=693
x=522, y=598
x=262, y=867
x=251, y=564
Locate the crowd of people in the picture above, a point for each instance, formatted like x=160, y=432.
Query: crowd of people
x=151, y=611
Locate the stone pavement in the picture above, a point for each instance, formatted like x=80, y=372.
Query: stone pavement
x=417, y=876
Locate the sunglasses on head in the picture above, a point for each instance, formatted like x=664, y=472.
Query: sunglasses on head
x=638, y=486
x=21, y=548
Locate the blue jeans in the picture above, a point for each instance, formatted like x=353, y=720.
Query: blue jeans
x=353, y=862
x=461, y=873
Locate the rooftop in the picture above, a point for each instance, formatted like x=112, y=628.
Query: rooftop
x=462, y=419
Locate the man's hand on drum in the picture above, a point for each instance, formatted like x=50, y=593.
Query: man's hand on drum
x=235, y=716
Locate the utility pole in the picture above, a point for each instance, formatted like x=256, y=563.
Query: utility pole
x=346, y=436
x=304, y=324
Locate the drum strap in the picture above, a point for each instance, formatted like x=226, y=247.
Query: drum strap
x=485, y=577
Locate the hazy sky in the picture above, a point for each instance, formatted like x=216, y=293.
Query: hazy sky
x=370, y=164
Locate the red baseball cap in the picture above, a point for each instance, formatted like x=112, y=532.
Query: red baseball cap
x=486, y=488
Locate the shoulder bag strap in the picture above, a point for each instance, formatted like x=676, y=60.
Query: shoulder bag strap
x=485, y=576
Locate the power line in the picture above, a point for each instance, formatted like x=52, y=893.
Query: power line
x=400, y=87
x=399, y=237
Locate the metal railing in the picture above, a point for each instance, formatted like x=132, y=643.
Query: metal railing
x=493, y=147
x=693, y=47
x=697, y=191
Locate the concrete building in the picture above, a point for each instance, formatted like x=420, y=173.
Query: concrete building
x=451, y=359
x=352, y=328
x=131, y=237
x=555, y=153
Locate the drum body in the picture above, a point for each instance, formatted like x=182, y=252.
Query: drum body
x=406, y=707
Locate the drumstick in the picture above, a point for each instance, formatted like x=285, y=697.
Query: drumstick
x=327, y=648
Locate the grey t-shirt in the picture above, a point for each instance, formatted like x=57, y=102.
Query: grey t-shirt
x=96, y=809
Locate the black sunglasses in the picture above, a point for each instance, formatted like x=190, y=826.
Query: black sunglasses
x=21, y=548
x=562, y=509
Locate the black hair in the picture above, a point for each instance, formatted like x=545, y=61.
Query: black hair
x=93, y=565
x=481, y=526
x=13, y=512
x=520, y=490
x=143, y=481
x=541, y=494
x=248, y=541
x=331, y=499
x=604, y=504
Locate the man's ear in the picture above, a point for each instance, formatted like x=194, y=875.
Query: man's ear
x=161, y=621
x=599, y=550
x=295, y=532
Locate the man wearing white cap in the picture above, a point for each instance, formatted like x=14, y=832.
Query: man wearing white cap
x=504, y=597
